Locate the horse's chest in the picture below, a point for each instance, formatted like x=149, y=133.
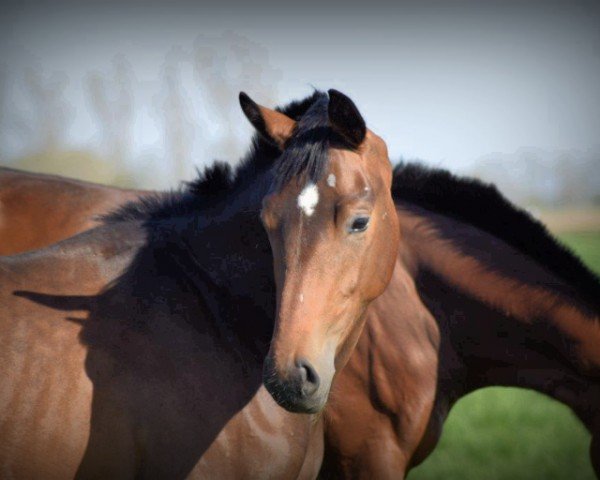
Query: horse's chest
x=216, y=423
x=259, y=441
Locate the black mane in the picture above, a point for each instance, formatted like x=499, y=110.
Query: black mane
x=482, y=205
x=305, y=152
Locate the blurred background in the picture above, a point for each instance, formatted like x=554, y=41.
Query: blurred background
x=140, y=94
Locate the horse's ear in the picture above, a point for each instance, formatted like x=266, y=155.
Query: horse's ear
x=271, y=124
x=345, y=118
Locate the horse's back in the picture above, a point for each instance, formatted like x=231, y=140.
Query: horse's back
x=37, y=209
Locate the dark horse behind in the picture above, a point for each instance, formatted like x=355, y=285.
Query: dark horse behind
x=480, y=295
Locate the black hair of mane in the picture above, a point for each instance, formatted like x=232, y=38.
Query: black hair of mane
x=305, y=152
x=482, y=205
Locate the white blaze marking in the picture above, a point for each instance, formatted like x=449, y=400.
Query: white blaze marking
x=331, y=180
x=308, y=199
x=301, y=298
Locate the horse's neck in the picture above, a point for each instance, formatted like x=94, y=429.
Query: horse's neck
x=103, y=253
x=504, y=317
x=223, y=243
x=230, y=249
x=228, y=260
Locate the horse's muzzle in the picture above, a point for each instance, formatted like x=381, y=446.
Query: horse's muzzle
x=297, y=388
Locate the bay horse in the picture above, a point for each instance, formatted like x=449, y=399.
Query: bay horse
x=136, y=349
x=481, y=295
x=37, y=210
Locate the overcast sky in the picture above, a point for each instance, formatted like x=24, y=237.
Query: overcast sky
x=448, y=82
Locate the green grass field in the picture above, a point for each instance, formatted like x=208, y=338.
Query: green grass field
x=508, y=433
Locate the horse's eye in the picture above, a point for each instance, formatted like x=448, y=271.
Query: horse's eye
x=359, y=224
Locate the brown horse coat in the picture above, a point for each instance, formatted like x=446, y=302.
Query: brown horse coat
x=138, y=383
x=465, y=310
x=36, y=209
x=470, y=305
x=381, y=418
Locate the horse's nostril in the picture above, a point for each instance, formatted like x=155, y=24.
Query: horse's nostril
x=309, y=379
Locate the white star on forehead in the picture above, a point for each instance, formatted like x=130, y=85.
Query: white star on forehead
x=331, y=180
x=308, y=199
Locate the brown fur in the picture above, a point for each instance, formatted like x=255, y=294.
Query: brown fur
x=416, y=358
x=453, y=321
x=37, y=210
x=116, y=391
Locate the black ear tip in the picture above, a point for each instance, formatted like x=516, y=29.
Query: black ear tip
x=249, y=107
x=338, y=100
x=335, y=95
x=345, y=117
x=245, y=100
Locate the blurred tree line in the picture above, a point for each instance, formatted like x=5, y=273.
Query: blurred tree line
x=221, y=66
x=540, y=178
